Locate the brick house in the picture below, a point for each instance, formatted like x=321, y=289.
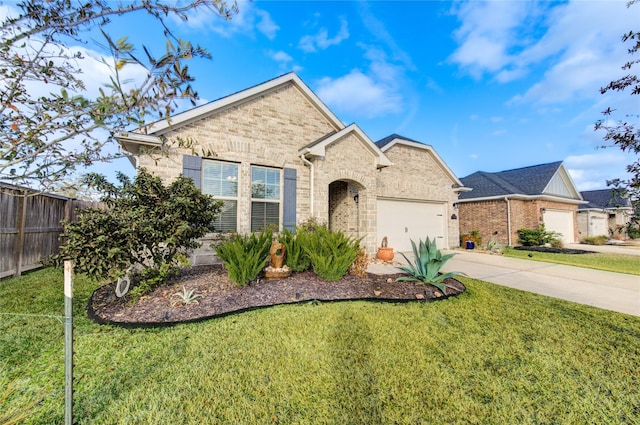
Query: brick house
x=503, y=202
x=275, y=154
x=605, y=214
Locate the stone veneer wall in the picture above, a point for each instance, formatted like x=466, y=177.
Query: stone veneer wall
x=267, y=130
x=417, y=175
x=348, y=160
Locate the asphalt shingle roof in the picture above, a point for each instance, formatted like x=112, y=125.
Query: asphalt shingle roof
x=383, y=142
x=520, y=181
x=602, y=199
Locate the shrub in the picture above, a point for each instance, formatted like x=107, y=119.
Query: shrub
x=538, y=237
x=146, y=225
x=428, y=260
x=244, y=256
x=295, y=258
x=595, y=240
x=331, y=252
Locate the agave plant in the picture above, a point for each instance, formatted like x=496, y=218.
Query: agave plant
x=187, y=297
x=428, y=260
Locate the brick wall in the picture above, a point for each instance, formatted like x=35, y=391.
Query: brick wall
x=490, y=217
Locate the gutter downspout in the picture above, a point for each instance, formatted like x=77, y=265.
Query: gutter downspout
x=311, y=181
x=506, y=199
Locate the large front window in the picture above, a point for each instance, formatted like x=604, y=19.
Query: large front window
x=265, y=197
x=220, y=179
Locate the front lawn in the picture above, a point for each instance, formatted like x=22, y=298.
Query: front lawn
x=621, y=263
x=492, y=355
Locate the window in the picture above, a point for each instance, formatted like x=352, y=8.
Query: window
x=265, y=197
x=220, y=179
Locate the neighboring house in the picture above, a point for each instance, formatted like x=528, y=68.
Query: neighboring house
x=275, y=154
x=605, y=214
x=503, y=202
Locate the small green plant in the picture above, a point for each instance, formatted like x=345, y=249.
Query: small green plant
x=538, y=237
x=494, y=246
x=331, y=252
x=595, y=240
x=187, y=297
x=244, y=256
x=296, y=259
x=428, y=260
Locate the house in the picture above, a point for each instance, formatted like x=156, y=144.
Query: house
x=604, y=214
x=276, y=154
x=503, y=202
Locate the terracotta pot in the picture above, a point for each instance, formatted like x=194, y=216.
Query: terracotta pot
x=385, y=254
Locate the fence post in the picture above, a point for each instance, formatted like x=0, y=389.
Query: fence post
x=18, y=246
x=68, y=342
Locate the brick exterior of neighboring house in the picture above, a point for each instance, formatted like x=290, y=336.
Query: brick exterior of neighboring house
x=502, y=203
x=605, y=214
x=318, y=167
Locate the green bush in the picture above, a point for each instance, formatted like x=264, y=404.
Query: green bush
x=295, y=258
x=147, y=226
x=595, y=240
x=331, y=252
x=428, y=260
x=538, y=237
x=244, y=256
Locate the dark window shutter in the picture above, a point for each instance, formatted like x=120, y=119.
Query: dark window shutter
x=192, y=167
x=289, y=199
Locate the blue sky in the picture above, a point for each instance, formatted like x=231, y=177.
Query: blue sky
x=490, y=85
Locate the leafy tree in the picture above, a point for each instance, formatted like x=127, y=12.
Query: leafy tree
x=146, y=225
x=625, y=134
x=44, y=137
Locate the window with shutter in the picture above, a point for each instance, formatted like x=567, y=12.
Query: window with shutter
x=220, y=179
x=265, y=197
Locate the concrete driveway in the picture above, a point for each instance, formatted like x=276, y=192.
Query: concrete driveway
x=612, y=291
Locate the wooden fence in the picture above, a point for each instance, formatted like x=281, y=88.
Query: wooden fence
x=30, y=227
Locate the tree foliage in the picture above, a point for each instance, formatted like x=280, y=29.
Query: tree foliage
x=49, y=123
x=146, y=225
x=625, y=133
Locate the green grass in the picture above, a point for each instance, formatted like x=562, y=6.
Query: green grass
x=493, y=355
x=621, y=263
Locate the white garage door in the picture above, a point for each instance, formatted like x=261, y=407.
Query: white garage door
x=561, y=222
x=401, y=221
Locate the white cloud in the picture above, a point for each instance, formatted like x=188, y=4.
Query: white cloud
x=280, y=56
x=591, y=171
x=576, y=45
x=359, y=95
x=246, y=21
x=322, y=41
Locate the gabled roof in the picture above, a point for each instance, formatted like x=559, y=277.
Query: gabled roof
x=197, y=113
x=318, y=147
x=544, y=180
x=603, y=199
x=395, y=139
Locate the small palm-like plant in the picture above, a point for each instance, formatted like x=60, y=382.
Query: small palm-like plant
x=244, y=256
x=187, y=297
x=428, y=260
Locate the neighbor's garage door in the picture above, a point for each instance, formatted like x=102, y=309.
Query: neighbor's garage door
x=561, y=222
x=401, y=221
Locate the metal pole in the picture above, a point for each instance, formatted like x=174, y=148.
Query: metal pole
x=68, y=342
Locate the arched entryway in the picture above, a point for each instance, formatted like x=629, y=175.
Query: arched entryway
x=344, y=207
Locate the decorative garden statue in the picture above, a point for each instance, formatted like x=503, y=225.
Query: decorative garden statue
x=277, y=253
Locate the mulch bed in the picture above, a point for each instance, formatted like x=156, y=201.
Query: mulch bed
x=220, y=297
x=553, y=250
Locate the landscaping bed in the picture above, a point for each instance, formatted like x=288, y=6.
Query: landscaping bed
x=220, y=297
x=553, y=250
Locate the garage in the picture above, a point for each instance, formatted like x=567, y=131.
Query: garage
x=400, y=221
x=561, y=222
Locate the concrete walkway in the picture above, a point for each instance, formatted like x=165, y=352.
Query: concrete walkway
x=612, y=291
